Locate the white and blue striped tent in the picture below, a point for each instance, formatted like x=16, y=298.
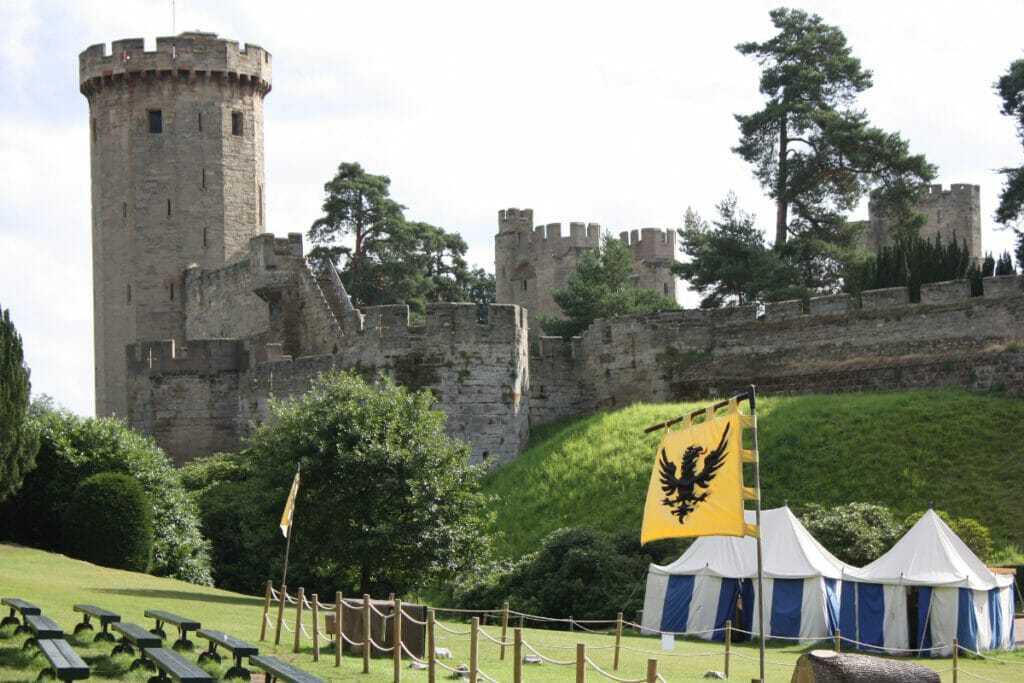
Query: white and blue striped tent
x=927, y=590
x=700, y=591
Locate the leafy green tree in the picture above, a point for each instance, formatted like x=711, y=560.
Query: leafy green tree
x=109, y=521
x=856, y=533
x=912, y=261
x=1004, y=264
x=481, y=289
x=18, y=442
x=72, y=449
x=602, y=287
x=388, y=500
x=729, y=262
x=1010, y=88
x=384, y=258
x=814, y=154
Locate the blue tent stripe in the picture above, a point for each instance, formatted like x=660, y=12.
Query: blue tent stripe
x=676, y=610
x=871, y=614
x=924, y=627
x=995, y=616
x=787, y=604
x=848, y=612
x=728, y=594
x=966, y=621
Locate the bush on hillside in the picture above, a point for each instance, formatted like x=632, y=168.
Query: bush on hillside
x=579, y=572
x=72, y=449
x=972, y=532
x=856, y=533
x=109, y=521
x=220, y=486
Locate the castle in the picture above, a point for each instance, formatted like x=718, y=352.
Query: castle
x=201, y=317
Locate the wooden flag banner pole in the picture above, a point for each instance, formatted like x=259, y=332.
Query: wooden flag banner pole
x=286, y=521
x=752, y=395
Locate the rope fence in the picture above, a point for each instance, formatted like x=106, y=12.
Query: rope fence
x=372, y=625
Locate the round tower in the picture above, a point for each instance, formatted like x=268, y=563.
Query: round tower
x=177, y=178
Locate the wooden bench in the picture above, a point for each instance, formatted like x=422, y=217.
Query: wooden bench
x=105, y=617
x=278, y=670
x=65, y=663
x=184, y=626
x=42, y=628
x=172, y=666
x=134, y=636
x=18, y=606
x=238, y=648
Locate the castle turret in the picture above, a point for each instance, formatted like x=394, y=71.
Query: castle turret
x=177, y=179
x=956, y=211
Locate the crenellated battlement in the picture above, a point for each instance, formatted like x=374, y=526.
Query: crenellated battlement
x=188, y=55
x=651, y=244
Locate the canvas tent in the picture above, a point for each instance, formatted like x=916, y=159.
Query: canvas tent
x=927, y=590
x=699, y=592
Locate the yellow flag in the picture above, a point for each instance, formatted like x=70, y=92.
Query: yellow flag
x=289, y=507
x=696, y=486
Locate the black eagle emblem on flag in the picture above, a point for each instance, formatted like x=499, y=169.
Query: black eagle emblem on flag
x=681, y=491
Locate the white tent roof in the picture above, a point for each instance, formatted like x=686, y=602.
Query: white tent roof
x=930, y=554
x=788, y=551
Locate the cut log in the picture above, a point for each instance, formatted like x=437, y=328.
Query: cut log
x=826, y=666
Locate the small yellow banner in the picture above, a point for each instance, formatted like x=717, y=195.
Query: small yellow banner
x=289, y=507
x=696, y=486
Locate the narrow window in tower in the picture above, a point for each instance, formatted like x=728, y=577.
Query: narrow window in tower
x=204, y=178
x=172, y=291
x=665, y=286
x=261, y=206
x=94, y=130
x=524, y=285
x=124, y=209
x=200, y=122
x=156, y=121
x=129, y=293
x=204, y=237
x=168, y=208
x=236, y=123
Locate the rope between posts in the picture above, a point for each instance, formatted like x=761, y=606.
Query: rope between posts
x=412, y=619
x=305, y=632
x=529, y=647
x=452, y=631
x=485, y=676
x=381, y=648
x=604, y=673
x=325, y=605
x=411, y=655
x=462, y=611
x=661, y=678
x=374, y=609
x=275, y=594
x=349, y=640
x=756, y=659
x=662, y=653
x=993, y=659
x=489, y=637
x=974, y=675
x=306, y=604
x=441, y=664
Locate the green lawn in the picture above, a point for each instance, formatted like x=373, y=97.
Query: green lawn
x=55, y=583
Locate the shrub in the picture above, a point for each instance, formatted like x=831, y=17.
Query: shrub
x=109, y=521
x=856, y=533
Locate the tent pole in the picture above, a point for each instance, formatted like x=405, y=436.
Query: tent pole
x=757, y=519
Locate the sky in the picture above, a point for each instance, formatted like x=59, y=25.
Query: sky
x=609, y=112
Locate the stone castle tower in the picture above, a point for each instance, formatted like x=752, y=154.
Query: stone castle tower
x=531, y=262
x=177, y=179
x=956, y=211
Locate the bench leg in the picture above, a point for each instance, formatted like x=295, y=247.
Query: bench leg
x=183, y=644
x=84, y=626
x=9, y=620
x=208, y=655
x=237, y=671
x=123, y=648
x=160, y=678
x=104, y=636
x=47, y=674
x=142, y=663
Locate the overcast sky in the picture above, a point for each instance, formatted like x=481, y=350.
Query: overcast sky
x=610, y=112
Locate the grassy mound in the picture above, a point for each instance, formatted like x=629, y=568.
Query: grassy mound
x=905, y=450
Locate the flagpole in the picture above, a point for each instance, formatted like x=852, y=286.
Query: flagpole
x=288, y=542
x=757, y=520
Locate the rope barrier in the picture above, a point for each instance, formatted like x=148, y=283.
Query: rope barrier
x=448, y=630
x=595, y=667
x=992, y=659
x=413, y=620
x=757, y=659
x=571, y=662
x=978, y=676
x=485, y=676
x=411, y=656
x=380, y=648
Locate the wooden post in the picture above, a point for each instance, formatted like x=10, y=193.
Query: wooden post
x=266, y=609
x=517, y=654
x=571, y=629
x=298, y=616
x=521, y=618
x=474, y=635
x=397, y=617
x=316, y=627
x=366, y=634
x=431, y=652
x=581, y=662
x=956, y=658
x=652, y=670
x=504, y=629
x=839, y=642
x=280, y=614
x=339, y=612
x=618, y=641
x=728, y=645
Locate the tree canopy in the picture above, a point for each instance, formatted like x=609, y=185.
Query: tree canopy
x=1010, y=88
x=18, y=442
x=602, y=287
x=814, y=154
x=388, y=501
x=382, y=257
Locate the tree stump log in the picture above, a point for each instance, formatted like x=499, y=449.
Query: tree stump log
x=826, y=666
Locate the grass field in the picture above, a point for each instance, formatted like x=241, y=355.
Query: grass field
x=904, y=450
x=55, y=583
